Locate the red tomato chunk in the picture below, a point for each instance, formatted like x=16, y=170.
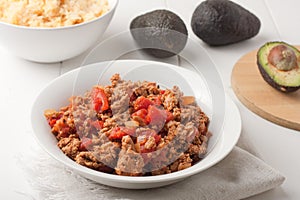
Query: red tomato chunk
x=99, y=100
x=85, y=143
x=142, y=103
x=118, y=132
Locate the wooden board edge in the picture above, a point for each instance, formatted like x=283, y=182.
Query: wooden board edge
x=265, y=115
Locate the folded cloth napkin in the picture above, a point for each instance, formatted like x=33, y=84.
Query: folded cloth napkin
x=238, y=176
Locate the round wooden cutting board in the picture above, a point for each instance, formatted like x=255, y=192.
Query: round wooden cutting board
x=262, y=99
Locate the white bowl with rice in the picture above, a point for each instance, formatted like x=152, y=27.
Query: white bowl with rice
x=53, y=31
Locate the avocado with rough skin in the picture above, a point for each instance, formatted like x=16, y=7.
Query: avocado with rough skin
x=160, y=33
x=223, y=22
x=279, y=65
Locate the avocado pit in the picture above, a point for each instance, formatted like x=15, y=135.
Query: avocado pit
x=283, y=58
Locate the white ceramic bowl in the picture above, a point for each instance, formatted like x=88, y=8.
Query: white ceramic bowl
x=54, y=44
x=75, y=82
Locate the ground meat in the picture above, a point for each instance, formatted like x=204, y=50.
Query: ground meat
x=100, y=139
x=163, y=170
x=89, y=160
x=107, y=153
x=70, y=146
x=144, y=130
x=169, y=100
x=115, y=79
x=108, y=124
x=150, y=144
x=184, y=162
x=64, y=123
x=190, y=113
x=203, y=125
x=83, y=115
x=146, y=88
x=119, y=102
x=130, y=162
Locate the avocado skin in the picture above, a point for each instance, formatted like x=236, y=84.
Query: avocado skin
x=222, y=22
x=160, y=33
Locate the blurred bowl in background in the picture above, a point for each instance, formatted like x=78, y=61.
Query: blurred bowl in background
x=47, y=45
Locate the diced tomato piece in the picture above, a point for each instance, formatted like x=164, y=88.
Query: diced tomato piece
x=156, y=115
x=142, y=113
x=53, y=119
x=162, y=91
x=157, y=138
x=169, y=116
x=99, y=99
x=119, y=132
x=157, y=100
x=144, y=150
x=144, y=136
x=116, y=133
x=142, y=139
x=128, y=130
x=85, y=144
x=142, y=103
x=52, y=122
x=97, y=124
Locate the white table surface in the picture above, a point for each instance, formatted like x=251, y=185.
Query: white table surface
x=21, y=80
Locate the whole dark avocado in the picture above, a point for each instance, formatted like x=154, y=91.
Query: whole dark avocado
x=160, y=33
x=278, y=63
x=223, y=22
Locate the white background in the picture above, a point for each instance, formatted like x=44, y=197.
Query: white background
x=279, y=147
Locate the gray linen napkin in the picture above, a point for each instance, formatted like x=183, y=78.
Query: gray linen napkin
x=238, y=176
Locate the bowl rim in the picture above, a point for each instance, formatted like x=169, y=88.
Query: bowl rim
x=111, y=10
x=130, y=179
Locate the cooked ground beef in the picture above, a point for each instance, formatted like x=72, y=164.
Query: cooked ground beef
x=131, y=128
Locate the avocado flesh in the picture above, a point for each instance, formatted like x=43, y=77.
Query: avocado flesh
x=223, y=22
x=160, y=33
x=285, y=81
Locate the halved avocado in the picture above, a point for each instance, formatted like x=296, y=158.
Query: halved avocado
x=279, y=65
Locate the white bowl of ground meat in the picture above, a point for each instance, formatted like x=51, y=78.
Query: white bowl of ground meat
x=125, y=124
x=53, y=31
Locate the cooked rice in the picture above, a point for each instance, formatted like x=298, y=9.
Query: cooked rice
x=51, y=13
